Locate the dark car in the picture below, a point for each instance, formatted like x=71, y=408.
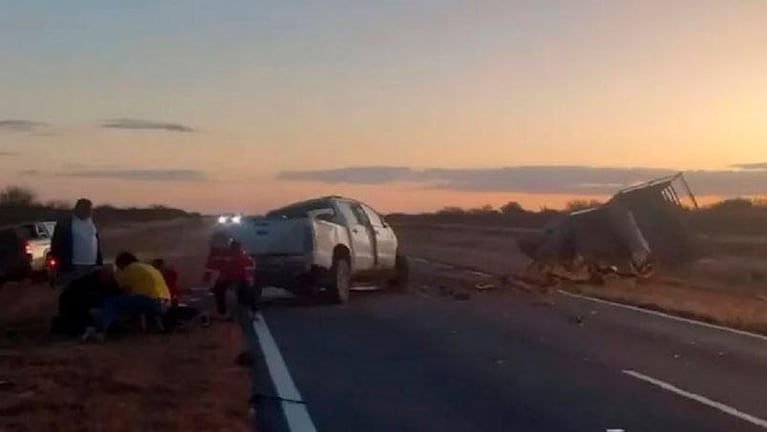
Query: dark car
x=15, y=254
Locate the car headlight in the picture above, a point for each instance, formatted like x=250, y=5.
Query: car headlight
x=222, y=219
x=236, y=219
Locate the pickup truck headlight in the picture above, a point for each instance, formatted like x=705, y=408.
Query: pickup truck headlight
x=222, y=219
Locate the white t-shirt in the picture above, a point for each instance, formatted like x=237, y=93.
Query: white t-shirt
x=85, y=245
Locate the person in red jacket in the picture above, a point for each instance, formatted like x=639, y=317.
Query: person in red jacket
x=235, y=270
x=171, y=278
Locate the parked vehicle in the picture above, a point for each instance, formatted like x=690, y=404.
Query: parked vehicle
x=324, y=244
x=39, y=240
x=229, y=218
x=15, y=256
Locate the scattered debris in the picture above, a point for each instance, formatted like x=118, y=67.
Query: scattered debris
x=578, y=319
x=484, y=286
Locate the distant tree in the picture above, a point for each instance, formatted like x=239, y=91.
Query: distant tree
x=734, y=204
x=512, y=207
x=451, y=211
x=548, y=212
x=581, y=204
x=17, y=196
x=485, y=209
x=58, y=205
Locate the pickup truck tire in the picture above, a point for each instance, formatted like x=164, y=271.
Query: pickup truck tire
x=401, y=274
x=341, y=281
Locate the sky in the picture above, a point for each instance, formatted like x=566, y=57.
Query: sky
x=407, y=105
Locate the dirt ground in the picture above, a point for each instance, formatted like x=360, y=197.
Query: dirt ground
x=138, y=382
x=721, y=288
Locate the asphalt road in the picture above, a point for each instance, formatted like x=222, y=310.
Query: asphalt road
x=500, y=361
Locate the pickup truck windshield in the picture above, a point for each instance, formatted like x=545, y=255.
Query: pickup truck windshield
x=308, y=210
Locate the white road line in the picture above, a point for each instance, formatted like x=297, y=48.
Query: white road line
x=700, y=399
x=665, y=315
x=296, y=414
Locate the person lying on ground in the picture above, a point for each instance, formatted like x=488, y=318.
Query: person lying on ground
x=143, y=293
x=171, y=278
x=82, y=295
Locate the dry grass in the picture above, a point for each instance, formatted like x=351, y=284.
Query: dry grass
x=179, y=382
x=747, y=313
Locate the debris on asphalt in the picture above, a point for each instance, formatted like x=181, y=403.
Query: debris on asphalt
x=484, y=286
x=578, y=319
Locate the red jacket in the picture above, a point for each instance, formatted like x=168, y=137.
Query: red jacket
x=171, y=280
x=232, y=265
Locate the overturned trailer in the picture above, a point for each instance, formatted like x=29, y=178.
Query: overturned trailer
x=640, y=227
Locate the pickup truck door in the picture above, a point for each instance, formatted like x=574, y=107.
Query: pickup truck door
x=385, y=240
x=360, y=236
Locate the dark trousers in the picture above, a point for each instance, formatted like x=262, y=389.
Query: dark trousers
x=248, y=295
x=134, y=304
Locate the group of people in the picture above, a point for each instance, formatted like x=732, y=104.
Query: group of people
x=95, y=296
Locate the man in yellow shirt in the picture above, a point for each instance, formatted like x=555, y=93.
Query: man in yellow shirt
x=135, y=277
x=144, y=292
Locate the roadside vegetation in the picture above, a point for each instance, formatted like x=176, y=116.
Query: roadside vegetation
x=737, y=216
x=20, y=204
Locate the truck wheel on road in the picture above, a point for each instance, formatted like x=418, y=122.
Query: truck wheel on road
x=339, y=290
x=401, y=273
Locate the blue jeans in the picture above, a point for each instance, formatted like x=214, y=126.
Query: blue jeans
x=134, y=304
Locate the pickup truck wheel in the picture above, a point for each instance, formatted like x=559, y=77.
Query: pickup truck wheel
x=341, y=285
x=401, y=273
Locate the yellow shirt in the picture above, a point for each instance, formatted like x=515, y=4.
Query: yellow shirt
x=140, y=278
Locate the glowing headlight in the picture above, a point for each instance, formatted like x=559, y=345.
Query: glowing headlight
x=236, y=219
x=222, y=219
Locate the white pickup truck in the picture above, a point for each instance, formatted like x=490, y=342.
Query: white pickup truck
x=324, y=244
x=38, y=242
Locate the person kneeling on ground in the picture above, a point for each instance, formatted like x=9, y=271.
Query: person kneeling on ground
x=178, y=312
x=82, y=295
x=235, y=269
x=170, y=276
x=143, y=292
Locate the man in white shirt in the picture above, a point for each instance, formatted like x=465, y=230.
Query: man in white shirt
x=75, y=243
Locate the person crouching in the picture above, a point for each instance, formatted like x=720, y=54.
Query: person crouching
x=235, y=271
x=143, y=292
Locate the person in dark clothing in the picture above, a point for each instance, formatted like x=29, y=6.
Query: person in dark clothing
x=75, y=245
x=82, y=295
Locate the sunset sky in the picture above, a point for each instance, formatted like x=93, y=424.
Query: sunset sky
x=408, y=105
